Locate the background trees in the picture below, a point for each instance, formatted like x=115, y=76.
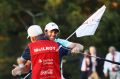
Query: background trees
x=17, y=15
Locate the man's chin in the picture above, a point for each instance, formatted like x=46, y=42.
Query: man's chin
x=52, y=39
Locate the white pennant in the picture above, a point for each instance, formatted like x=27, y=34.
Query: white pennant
x=90, y=25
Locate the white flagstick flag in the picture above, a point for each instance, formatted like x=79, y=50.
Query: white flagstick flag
x=90, y=25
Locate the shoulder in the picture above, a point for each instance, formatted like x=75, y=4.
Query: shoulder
x=118, y=53
x=108, y=55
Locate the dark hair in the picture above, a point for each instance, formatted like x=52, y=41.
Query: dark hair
x=42, y=37
x=53, y=30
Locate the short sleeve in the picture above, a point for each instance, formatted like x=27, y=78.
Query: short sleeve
x=63, y=42
x=26, y=54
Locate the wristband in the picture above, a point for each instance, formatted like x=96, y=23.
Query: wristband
x=21, y=65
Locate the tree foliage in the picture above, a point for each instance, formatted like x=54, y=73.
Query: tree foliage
x=17, y=15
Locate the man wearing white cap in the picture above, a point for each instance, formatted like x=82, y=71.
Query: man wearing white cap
x=51, y=31
x=44, y=56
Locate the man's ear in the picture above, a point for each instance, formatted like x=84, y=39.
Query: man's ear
x=34, y=39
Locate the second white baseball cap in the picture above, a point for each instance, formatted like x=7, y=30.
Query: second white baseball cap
x=51, y=26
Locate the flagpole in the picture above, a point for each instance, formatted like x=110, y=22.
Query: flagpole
x=71, y=35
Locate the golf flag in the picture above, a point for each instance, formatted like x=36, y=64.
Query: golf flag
x=90, y=25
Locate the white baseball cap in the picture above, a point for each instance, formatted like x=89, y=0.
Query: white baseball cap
x=50, y=26
x=34, y=30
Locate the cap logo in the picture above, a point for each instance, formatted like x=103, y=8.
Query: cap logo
x=53, y=24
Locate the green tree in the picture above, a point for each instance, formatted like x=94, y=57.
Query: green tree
x=17, y=15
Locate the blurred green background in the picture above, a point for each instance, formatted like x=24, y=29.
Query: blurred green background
x=17, y=15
